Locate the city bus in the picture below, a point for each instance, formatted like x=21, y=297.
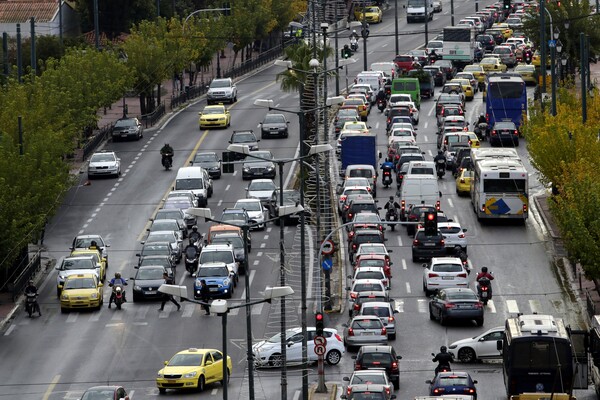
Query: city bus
x=499, y=189
x=482, y=153
x=538, y=355
x=506, y=99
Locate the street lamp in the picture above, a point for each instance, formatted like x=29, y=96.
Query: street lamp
x=556, y=46
x=314, y=150
x=222, y=308
x=206, y=213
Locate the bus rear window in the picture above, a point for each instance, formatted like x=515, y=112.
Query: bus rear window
x=506, y=90
x=504, y=185
x=539, y=354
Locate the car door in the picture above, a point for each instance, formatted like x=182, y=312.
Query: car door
x=217, y=364
x=486, y=345
x=210, y=370
x=294, y=348
x=437, y=303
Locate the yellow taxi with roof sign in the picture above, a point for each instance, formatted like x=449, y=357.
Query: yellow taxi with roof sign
x=359, y=104
x=357, y=126
x=506, y=31
x=371, y=13
x=527, y=72
x=466, y=86
x=492, y=64
x=81, y=291
x=477, y=71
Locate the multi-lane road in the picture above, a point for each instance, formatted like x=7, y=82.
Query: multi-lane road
x=58, y=355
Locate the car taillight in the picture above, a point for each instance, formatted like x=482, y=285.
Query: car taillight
x=388, y=120
x=479, y=305
x=461, y=235
x=353, y=295
x=368, y=188
x=356, y=307
x=415, y=242
x=385, y=282
x=390, y=319
x=394, y=365
x=349, y=215
x=516, y=132
x=402, y=204
x=338, y=337
x=432, y=275
x=494, y=133
x=357, y=367
x=462, y=275
x=470, y=390
x=449, y=305
x=343, y=198
x=383, y=331
x=354, y=246
x=524, y=208
x=442, y=242
x=350, y=235
x=350, y=332
x=438, y=390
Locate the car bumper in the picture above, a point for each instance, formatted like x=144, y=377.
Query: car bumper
x=218, y=293
x=208, y=124
x=446, y=284
x=276, y=132
x=428, y=253
x=260, y=174
x=177, y=383
x=463, y=314
x=366, y=340
x=79, y=304
x=102, y=172
x=125, y=135
x=145, y=293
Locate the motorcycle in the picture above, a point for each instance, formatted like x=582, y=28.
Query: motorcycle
x=167, y=161
x=354, y=44
x=386, y=178
x=464, y=259
x=191, y=259
x=480, y=130
x=528, y=57
x=31, y=304
x=381, y=105
x=119, y=295
x=441, y=367
x=484, y=290
x=392, y=216
x=440, y=167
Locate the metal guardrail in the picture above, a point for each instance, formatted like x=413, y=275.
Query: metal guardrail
x=95, y=140
x=20, y=282
x=153, y=117
x=190, y=92
x=254, y=63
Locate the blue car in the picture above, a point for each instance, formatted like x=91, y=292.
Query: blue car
x=452, y=383
x=218, y=278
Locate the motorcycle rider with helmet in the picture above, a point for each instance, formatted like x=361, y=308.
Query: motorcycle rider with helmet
x=381, y=99
x=31, y=289
x=391, y=205
x=194, y=236
x=443, y=358
x=440, y=161
x=484, y=274
x=167, y=153
x=117, y=280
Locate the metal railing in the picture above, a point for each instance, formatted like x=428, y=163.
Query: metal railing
x=20, y=282
x=190, y=92
x=259, y=61
x=153, y=117
x=91, y=145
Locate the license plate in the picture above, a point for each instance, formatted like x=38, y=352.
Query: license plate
x=429, y=244
x=484, y=295
x=213, y=289
x=151, y=292
x=368, y=333
x=123, y=135
x=171, y=381
x=449, y=278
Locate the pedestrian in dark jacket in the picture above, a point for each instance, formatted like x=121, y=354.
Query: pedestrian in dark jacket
x=205, y=296
x=168, y=297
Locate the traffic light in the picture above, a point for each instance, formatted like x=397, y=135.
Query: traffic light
x=506, y=4
x=430, y=223
x=346, y=52
x=319, y=323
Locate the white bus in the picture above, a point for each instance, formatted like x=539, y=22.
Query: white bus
x=499, y=189
x=483, y=153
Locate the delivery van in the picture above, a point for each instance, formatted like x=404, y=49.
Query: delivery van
x=418, y=189
x=408, y=86
x=197, y=180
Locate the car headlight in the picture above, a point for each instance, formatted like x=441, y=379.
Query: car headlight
x=64, y=297
x=94, y=296
x=136, y=287
x=159, y=374
x=452, y=346
x=190, y=374
x=270, y=168
x=226, y=282
x=246, y=169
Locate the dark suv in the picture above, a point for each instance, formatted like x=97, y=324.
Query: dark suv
x=414, y=213
x=364, y=236
x=379, y=357
x=487, y=41
x=424, y=246
x=504, y=131
x=359, y=205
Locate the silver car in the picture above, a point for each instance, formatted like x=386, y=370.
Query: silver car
x=385, y=312
x=261, y=189
x=364, y=330
x=167, y=236
x=507, y=55
x=255, y=210
x=104, y=163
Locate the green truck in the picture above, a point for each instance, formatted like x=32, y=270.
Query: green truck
x=406, y=85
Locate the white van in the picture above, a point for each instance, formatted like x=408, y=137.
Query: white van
x=421, y=168
x=197, y=180
x=374, y=78
x=418, y=189
x=419, y=10
x=363, y=171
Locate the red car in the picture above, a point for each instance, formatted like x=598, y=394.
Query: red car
x=405, y=62
x=375, y=260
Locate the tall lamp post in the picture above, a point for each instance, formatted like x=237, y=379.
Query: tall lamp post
x=556, y=46
x=222, y=308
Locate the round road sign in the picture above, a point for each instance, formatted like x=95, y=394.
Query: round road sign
x=320, y=341
x=320, y=350
x=328, y=247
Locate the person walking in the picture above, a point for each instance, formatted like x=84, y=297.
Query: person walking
x=168, y=297
x=205, y=296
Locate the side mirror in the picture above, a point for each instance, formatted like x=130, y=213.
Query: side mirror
x=474, y=382
x=138, y=255
x=57, y=268
x=424, y=265
x=428, y=381
x=464, y=229
x=136, y=267
x=347, y=287
x=131, y=278
x=346, y=379
x=208, y=362
x=349, y=276
x=390, y=251
x=391, y=263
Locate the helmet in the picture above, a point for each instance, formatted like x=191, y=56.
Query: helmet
x=31, y=281
x=353, y=30
x=117, y=275
x=484, y=269
x=443, y=349
x=195, y=228
x=93, y=243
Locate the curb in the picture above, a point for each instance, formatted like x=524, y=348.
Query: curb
x=545, y=218
x=331, y=391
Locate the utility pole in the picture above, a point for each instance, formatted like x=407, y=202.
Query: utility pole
x=543, y=47
x=33, y=56
x=19, y=55
x=96, y=27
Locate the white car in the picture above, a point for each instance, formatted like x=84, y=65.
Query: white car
x=404, y=125
x=255, y=210
x=402, y=135
x=454, y=235
x=370, y=273
x=352, y=190
x=104, y=163
x=444, y=272
x=261, y=189
x=372, y=376
x=478, y=347
x=268, y=352
x=365, y=285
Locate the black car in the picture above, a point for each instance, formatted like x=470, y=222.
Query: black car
x=162, y=261
x=257, y=165
x=359, y=205
x=487, y=41
x=399, y=111
x=364, y=236
x=246, y=138
x=448, y=68
x=503, y=132
x=209, y=160
x=439, y=76
x=274, y=125
x=445, y=99
x=146, y=282
x=127, y=128
x=456, y=304
x=291, y=197
x=379, y=357
x=174, y=214
x=414, y=213
x=234, y=216
x=426, y=247
x=156, y=249
x=497, y=34
x=453, y=382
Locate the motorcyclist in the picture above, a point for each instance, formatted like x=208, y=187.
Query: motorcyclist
x=440, y=160
x=388, y=165
x=194, y=236
x=167, y=152
x=432, y=56
x=380, y=96
x=192, y=244
x=353, y=35
x=528, y=54
x=519, y=54
x=391, y=204
x=117, y=280
x=443, y=358
x=484, y=274
x=482, y=119
x=31, y=289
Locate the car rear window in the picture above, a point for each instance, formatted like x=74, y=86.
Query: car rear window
x=360, y=173
x=371, y=263
x=367, y=287
x=383, y=359
x=422, y=171
x=368, y=275
x=366, y=324
x=377, y=311
x=461, y=296
x=447, y=268
x=449, y=229
x=453, y=381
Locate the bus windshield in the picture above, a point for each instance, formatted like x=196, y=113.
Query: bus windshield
x=538, y=354
x=504, y=185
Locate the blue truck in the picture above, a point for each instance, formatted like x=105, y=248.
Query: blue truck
x=358, y=148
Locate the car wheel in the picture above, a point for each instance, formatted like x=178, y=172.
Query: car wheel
x=467, y=355
x=63, y=310
x=162, y=390
x=275, y=360
x=136, y=298
x=392, y=336
x=200, y=384
x=333, y=357
x=230, y=294
x=479, y=321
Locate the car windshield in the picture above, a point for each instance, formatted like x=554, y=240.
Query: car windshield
x=447, y=268
x=461, y=296
x=357, y=182
x=248, y=206
x=376, y=311
x=99, y=394
x=206, y=272
x=180, y=204
x=261, y=186
x=368, y=287
x=80, y=283
x=207, y=157
x=274, y=119
x=244, y=138
x=186, y=360
x=362, y=173
x=79, y=263
x=164, y=225
x=435, y=45
x=188, y=184
x=84, y=243
x=213, y=110
x=216, y=256
x=219, y=83
x=169, y=214
x=290, y=197
x=233, y=216
x=162, y=261
x=369, y=275
x=102, y=158
x=366, y=249
x=366, y=217
x=371, y=263
x=261, y=155
x=121, y=123
x=150, y=273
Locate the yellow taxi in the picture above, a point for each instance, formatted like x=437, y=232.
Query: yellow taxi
x=473, y=139
x=527, y=72
x=193, y=369
x=492, y=64
x=216, y=116
x=371, y=13
x=477, y=71
x=359, y=104
x=98, y=259
x=466, y=86
x=81, y=291
x=536, y=59
x=356, y=126
x=463, y=182
x=506, y=31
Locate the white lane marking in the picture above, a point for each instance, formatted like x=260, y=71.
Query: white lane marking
x=512, y=306
x=97, y=210
x=535, y=306
x=450, y=203
x=113, y=325
x=214, y=391
x=426, y=125
x=399, y=305
x=269, y=229
x=257, y=309
x=491, y=307
x=266, y=237
x=138, y=324
x=430, y=112
x=403, y=264
x=371, y=52
x=263, y=245
x=425, y=138
x=422, y=305
x=408, y=287
x=219, y=203
x=96, y=316
x=9, y=330
x=234, y=173
x=400, y=241
x=259, y=254
x=384, y=45
x=430, y=153
x=227, y=187
x=117, y=316
x=377, y=125
x=188, y=310
x=255, y=262
x=72, y=317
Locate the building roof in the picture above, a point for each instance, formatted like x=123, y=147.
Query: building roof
x=20, y=11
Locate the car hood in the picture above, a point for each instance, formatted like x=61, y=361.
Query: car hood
x=461, y=342
x=254, y=214
x=259, y=164
x=79, y=292
x=172, y=370
x=150, y=282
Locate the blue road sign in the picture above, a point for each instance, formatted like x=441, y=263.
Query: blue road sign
x=551, y=43
x=327, y=264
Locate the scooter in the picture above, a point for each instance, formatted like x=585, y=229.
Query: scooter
x=386, y=178
x=31, y=304
x=464, y=259
x=484, y=290
x=353, y=44
x=392, y=216
x=119, y=295
x=440, y=168
x=167, y=161
x=381, y=105
x=480, y=130
x=191, y=259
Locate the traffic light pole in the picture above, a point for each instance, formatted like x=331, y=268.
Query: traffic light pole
x=319, y=325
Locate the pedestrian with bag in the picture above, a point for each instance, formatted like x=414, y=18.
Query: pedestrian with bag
x=205, y=296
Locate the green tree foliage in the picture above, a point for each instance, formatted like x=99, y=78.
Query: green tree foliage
x=54, y=107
